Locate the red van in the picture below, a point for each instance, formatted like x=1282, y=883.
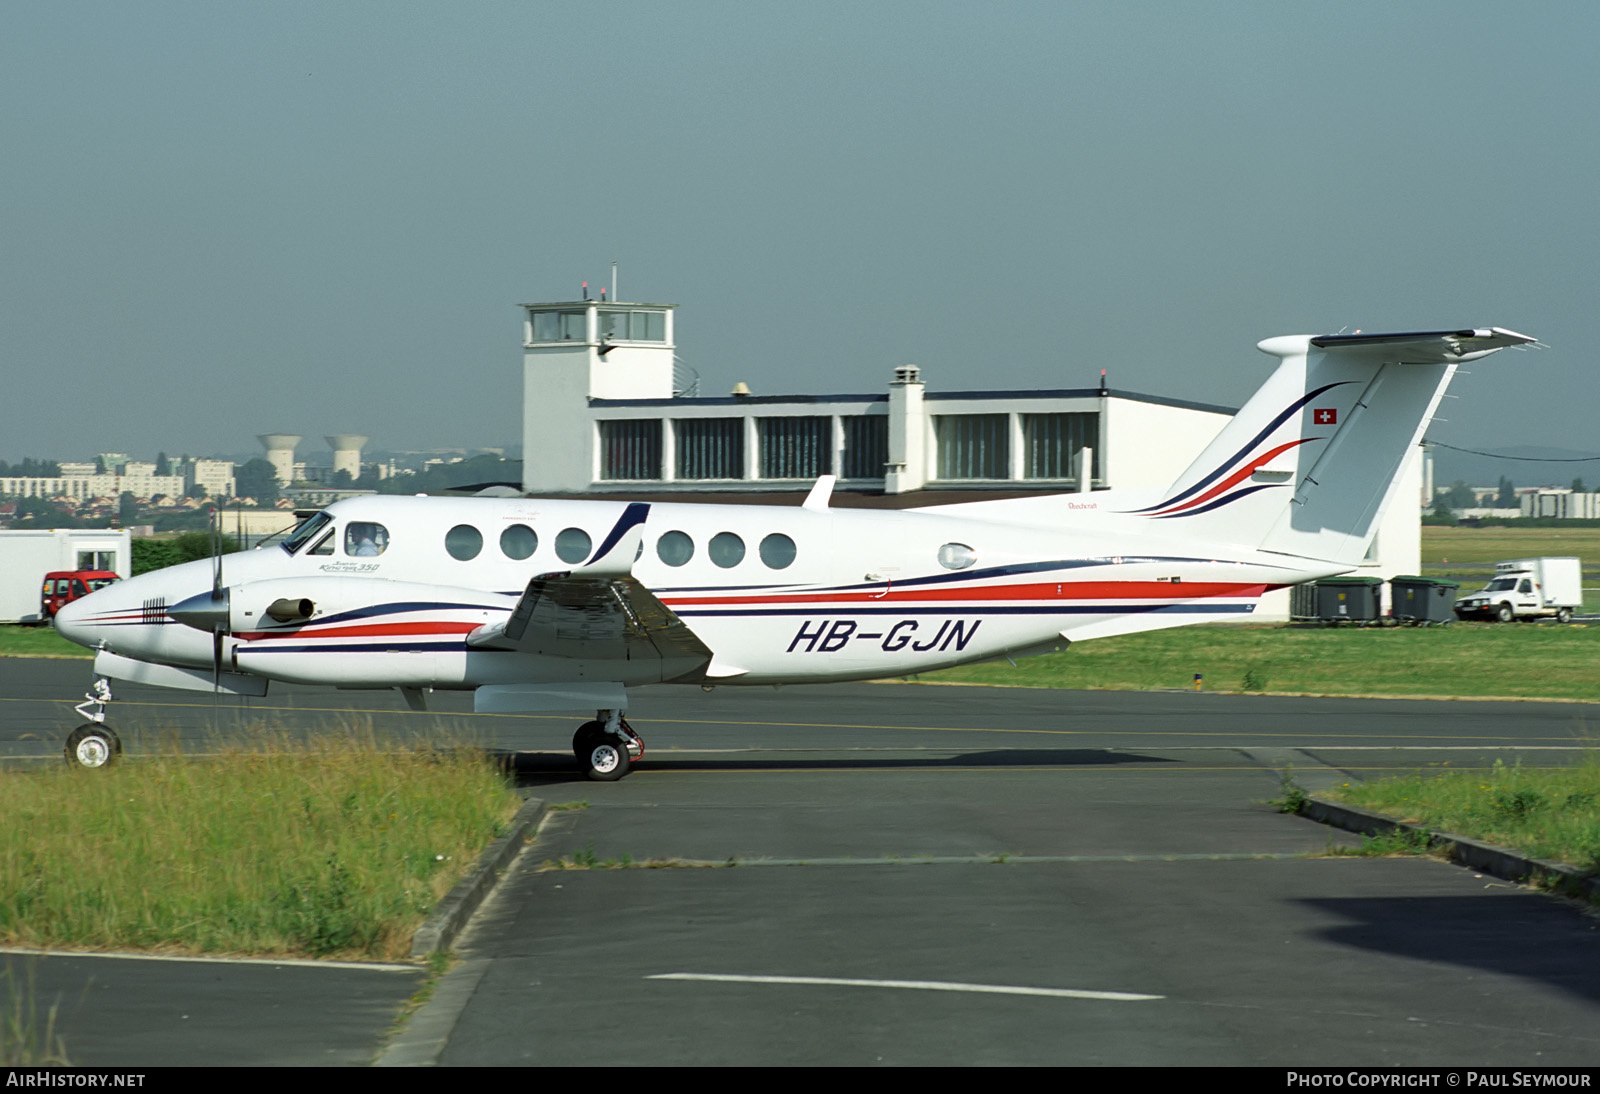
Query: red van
x=64, y=586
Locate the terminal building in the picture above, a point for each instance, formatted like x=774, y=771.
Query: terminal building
x=607, y=409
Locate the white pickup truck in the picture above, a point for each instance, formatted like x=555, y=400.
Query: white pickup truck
x=1526, y=588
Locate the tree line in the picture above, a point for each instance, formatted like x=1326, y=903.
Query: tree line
x=30, y=468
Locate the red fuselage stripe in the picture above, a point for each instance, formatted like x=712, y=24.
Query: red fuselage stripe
x=1053, y=590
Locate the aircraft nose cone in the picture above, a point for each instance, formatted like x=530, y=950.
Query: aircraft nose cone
x=205, y=611
x=71, y=622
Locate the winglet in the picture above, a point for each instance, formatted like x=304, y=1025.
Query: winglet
x=820, y=493
x=614, y=557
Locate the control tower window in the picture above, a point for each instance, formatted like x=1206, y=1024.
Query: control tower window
x=626, y=325
x=561, y=326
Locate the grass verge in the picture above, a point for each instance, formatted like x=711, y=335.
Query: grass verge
x=1542, y=813
x=327, y=848
x=20, y=641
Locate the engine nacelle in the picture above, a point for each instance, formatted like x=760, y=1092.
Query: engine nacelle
x=357, y=631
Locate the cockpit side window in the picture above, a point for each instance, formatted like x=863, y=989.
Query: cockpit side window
x=365, y=539
x=306, y=532
x=324, y=546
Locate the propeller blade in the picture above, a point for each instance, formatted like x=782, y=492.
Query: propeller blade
x=216, y=554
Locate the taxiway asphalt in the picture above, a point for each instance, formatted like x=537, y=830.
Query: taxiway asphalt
x=826, y=875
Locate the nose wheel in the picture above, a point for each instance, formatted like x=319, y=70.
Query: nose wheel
x=94, y=744
x=606, y=752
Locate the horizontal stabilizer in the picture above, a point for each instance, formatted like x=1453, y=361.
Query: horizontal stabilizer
x=1427, y=346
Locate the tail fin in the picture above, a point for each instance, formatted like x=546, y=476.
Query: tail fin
x=1308, y=465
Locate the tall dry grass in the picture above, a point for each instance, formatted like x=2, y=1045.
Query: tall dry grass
x=334, y=846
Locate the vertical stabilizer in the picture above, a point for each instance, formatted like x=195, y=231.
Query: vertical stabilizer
x=1308, y=465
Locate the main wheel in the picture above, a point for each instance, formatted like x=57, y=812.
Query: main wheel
x=93, y=745
x=606, y=760
x=590, y=733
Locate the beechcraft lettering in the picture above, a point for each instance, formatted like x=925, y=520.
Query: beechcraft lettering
x=831, y=636
x=552, y=605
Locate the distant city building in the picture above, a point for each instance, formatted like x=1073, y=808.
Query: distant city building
x=1562, y=504
x=215, y=477
x=80, y=482
x=83, y=487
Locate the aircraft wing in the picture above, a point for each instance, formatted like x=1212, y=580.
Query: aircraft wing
x=596, y=619
x=599, y=613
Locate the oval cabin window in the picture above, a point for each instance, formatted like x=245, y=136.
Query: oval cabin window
x=573, y=544
x=518, y=541
x=726, y=549
x=675, y=548
x=777, y=551
x=463, y=542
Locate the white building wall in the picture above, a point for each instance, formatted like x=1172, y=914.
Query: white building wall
x=216, y=476
x=1150, y=444
x=83, y=487
x=559, y=437
x=26, y=555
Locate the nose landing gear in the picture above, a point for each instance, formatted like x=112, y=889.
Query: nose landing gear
x=94, y=744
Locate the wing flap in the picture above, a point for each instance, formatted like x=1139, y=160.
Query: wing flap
x=581, y=618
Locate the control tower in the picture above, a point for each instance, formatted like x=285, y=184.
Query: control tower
x=280, y=454
x=576, y=351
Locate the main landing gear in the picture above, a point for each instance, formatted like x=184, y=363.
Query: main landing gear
x=607, y=747
x=94, y=744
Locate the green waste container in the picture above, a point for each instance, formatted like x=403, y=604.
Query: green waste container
x=1349, y=599
x=1423, y=600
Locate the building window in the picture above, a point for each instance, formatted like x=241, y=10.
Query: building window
x=560, y=326
x=866, y=446
x=624, y=325
x=1051, y=443
x=710, y=448
x=630, y=449
x=973, y=446
x=795, y=448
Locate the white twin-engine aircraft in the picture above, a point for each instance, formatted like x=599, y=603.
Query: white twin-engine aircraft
x=542, y=605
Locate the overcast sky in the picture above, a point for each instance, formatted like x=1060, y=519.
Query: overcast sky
x=227, y=219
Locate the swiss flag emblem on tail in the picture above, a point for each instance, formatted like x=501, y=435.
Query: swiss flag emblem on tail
x=1328, y=416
